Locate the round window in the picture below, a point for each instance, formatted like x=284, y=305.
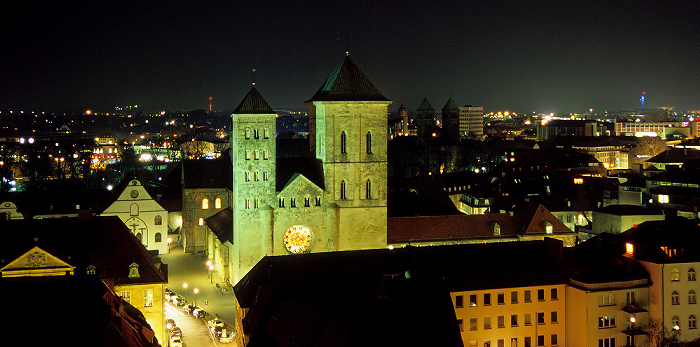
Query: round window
x=298, y=239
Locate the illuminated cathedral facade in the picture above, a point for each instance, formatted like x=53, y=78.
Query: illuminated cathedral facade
x=334, y=200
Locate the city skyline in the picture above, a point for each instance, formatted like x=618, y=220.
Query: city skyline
x=546, y=57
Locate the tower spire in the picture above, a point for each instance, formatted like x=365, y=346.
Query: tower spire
x=253, y=77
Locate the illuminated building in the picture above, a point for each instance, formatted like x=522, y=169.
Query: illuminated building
x=471, y=121
x=145, y=217
x=332, y=200
x=669, y=252
x=58, y=254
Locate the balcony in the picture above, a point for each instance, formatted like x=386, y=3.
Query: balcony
x=633, y=331
x=633, y=307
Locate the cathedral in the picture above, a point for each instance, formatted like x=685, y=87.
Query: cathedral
x=333, y=200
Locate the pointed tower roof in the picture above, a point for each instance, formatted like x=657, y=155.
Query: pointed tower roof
x=450, y=106
x=253, y=103
x=348, y=83
x=425, y=106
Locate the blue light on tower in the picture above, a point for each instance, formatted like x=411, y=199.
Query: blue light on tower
x=642, y=99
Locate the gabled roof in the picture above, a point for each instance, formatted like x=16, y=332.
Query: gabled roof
x=675, y=156
x=222, y=225
x=208, y=173
x=253, y=103
x=348, y=83
x=287, y=168
x=450, y=106
x=103, y=242
x=541, y=215
x=425, y=106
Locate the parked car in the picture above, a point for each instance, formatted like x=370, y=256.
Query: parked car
x=176, y=332
x=189, y=308
x=169, y=324
x=178, y=301
x=216, y=322
x=199, y=313
x=226, y=336
x=176, y=341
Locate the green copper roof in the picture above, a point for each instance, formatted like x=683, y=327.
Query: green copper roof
x=253, y=103
x=348, y=83
x=450, y=106
x=425, y=106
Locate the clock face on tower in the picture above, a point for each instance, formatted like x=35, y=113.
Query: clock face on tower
x=298, y=239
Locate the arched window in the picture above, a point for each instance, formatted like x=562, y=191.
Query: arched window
x=217, y=203
x=691, y=297
x=692, y=322
x=134, y=210
x=343, y=143
x=158, y=237
x=369, y=142
x=205, y=204
x=343, y=189
x=368, y=187
x=675, y=275
x=158, y=220
x=201, y=221
x=674, y=298
x=675, y=323
x=691, y=274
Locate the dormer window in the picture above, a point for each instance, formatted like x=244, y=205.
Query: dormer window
x=548, y=228
x=496, y=229
x=134, y=270
x=91, y=270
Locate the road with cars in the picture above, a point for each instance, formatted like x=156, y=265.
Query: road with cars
x=189, y=279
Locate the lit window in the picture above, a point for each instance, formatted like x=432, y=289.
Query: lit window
x=675, y=323
x=548, y=228
x=606, y=322
x=472, y=300
x=201, y=221
x=663, y=199
x=629, y=248
x=205, y=204
x=578, y=180
x=217, y=203
x=675, y=275
x=147, y=297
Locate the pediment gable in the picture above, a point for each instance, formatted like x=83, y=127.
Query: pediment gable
x=37, y=262
x=300, y=185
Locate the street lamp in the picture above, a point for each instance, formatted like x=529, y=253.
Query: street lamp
x=211, y=268
x=170, y=240
x=196, y=291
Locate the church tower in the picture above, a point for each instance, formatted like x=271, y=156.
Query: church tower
x=348, y=134
x=254, y=157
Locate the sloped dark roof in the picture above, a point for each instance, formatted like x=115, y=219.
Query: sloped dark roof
x=88, y=315
x=253, y=103
x=293, y=300
x=208, y=173
x=450, y=105
x=311, y=168
x=673, y=240
x=348, y=83
x=630, y=210
x=104, y=242
x=425, y=106
x=222, y=224
x=675, y=155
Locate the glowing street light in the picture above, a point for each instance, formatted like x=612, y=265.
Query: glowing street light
x=195, y=291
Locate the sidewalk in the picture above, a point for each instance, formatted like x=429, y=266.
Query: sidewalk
x=186, y=268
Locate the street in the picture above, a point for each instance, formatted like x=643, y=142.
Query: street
x=189, y=278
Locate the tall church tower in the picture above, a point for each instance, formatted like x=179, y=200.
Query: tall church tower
x=348, y=134
x=254, y=157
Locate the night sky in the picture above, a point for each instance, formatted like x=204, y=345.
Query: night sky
x=524, y=56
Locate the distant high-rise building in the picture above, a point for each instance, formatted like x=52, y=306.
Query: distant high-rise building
x=471, y=121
